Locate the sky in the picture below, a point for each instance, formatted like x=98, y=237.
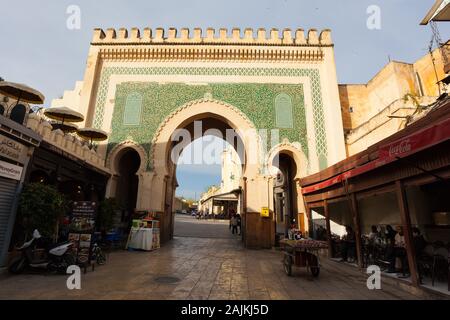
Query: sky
x=194, y=179
x=38, y=49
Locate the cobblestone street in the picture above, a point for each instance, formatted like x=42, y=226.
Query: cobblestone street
x=200, y=268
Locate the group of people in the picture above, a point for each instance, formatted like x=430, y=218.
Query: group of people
x=235, y=223
x=394, y=241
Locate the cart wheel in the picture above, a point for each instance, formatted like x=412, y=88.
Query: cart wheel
x=315, y=271
x=288, y=265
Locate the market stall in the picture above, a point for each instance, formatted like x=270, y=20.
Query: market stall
x=144, y=234
x=302, y=253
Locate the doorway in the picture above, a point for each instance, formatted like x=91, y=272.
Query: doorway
x=285, y=194
x=128, y=182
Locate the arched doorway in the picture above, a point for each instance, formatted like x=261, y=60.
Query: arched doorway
x=214, y=116
x=206, y=126
x=127, y=182
x=285, y=193
x=207, y=189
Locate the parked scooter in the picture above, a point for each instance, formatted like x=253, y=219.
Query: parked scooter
x=53, y=258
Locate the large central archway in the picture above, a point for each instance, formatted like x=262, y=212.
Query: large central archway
x=213, y=115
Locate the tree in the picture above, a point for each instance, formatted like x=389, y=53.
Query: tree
x=40, y=207
x=105, y=216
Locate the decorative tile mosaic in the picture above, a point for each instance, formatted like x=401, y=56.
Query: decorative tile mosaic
x=257, y=101
x=283, y=110
x=133, y=110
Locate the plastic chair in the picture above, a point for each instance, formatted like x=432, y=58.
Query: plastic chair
x=440, y=263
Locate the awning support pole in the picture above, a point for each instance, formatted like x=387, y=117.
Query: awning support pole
x=406, y=223
x=328, y=225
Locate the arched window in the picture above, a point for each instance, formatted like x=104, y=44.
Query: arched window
x=18, y=113
x=283, y=111
x=133, y=110
x=2, y=109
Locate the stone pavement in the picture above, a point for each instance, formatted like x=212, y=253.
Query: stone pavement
x=200, y=268
x=187, y=226
x=205, y=269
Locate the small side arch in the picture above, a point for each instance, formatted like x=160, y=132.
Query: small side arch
x=294, y=152
x=118, y=151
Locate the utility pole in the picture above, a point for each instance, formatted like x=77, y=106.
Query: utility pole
x=436, y=39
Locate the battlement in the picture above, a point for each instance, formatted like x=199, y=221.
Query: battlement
x=213, y=36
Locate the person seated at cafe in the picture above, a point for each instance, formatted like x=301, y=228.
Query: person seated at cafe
x=399, y=251
x=419, y=241
x=372, y=240
x=373, y=235
x=321, y=233
x=348, y=246
x=390, y=234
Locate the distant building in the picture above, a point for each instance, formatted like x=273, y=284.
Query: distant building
x=385, y=105
x=220, y=200
x=231, y=170
x=180, y=204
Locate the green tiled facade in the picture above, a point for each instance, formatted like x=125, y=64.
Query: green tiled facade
x=256, y=100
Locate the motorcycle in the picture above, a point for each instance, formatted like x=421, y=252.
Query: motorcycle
x=39, y=254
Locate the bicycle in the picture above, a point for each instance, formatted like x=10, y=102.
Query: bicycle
x=98, y=255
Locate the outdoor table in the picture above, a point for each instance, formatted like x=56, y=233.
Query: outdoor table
x=302, y=253
x=140, y=239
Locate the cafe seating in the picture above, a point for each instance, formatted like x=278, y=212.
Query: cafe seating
x=425, y=262
x=440, y=264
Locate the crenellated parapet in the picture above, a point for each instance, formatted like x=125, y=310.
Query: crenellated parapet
x=221, y=36
x=211, y=45
x=66, y=142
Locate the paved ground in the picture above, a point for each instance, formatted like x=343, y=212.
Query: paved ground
x=187, y=226
x=216, y=269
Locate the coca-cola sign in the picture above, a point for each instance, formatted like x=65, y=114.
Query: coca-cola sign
x=400, y=148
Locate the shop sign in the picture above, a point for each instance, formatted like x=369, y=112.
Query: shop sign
x=82, y=228
x=416, y=142
x=265, y=212
x=10, y=171
x=12, y=149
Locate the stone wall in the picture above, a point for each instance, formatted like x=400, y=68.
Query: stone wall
x=387, y=122
x=361, y=102
x=66, y=142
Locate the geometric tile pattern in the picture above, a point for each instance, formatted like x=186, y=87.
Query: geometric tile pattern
x=256, y=100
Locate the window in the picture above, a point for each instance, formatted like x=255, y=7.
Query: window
x=133, y=110
x=350, y=109
x=2, y=109
x=18, y=113
x=283, y=111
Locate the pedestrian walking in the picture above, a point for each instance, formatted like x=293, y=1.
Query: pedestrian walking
x=234, y=224
x=239, y=223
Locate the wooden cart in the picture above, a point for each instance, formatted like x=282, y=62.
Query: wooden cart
x=302, y=254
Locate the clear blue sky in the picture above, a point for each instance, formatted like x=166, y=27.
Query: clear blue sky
x=39, y=50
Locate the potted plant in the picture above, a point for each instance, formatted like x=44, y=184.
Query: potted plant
x=41, y=207
x=105, y=217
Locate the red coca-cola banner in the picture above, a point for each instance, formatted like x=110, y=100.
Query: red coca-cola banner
x=417, y=141
x=408, y=145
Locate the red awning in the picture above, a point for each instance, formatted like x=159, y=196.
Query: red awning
x=400, y=148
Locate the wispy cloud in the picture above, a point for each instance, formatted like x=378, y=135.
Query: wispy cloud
x=52, y=58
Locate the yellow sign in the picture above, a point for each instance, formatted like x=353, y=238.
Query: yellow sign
x=265, y=212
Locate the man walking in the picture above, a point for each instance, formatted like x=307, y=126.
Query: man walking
x=239, y=223
x=234, y=224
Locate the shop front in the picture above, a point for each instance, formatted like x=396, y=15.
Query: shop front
x=17, y=144
x=76, y=179
x=389, y=205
